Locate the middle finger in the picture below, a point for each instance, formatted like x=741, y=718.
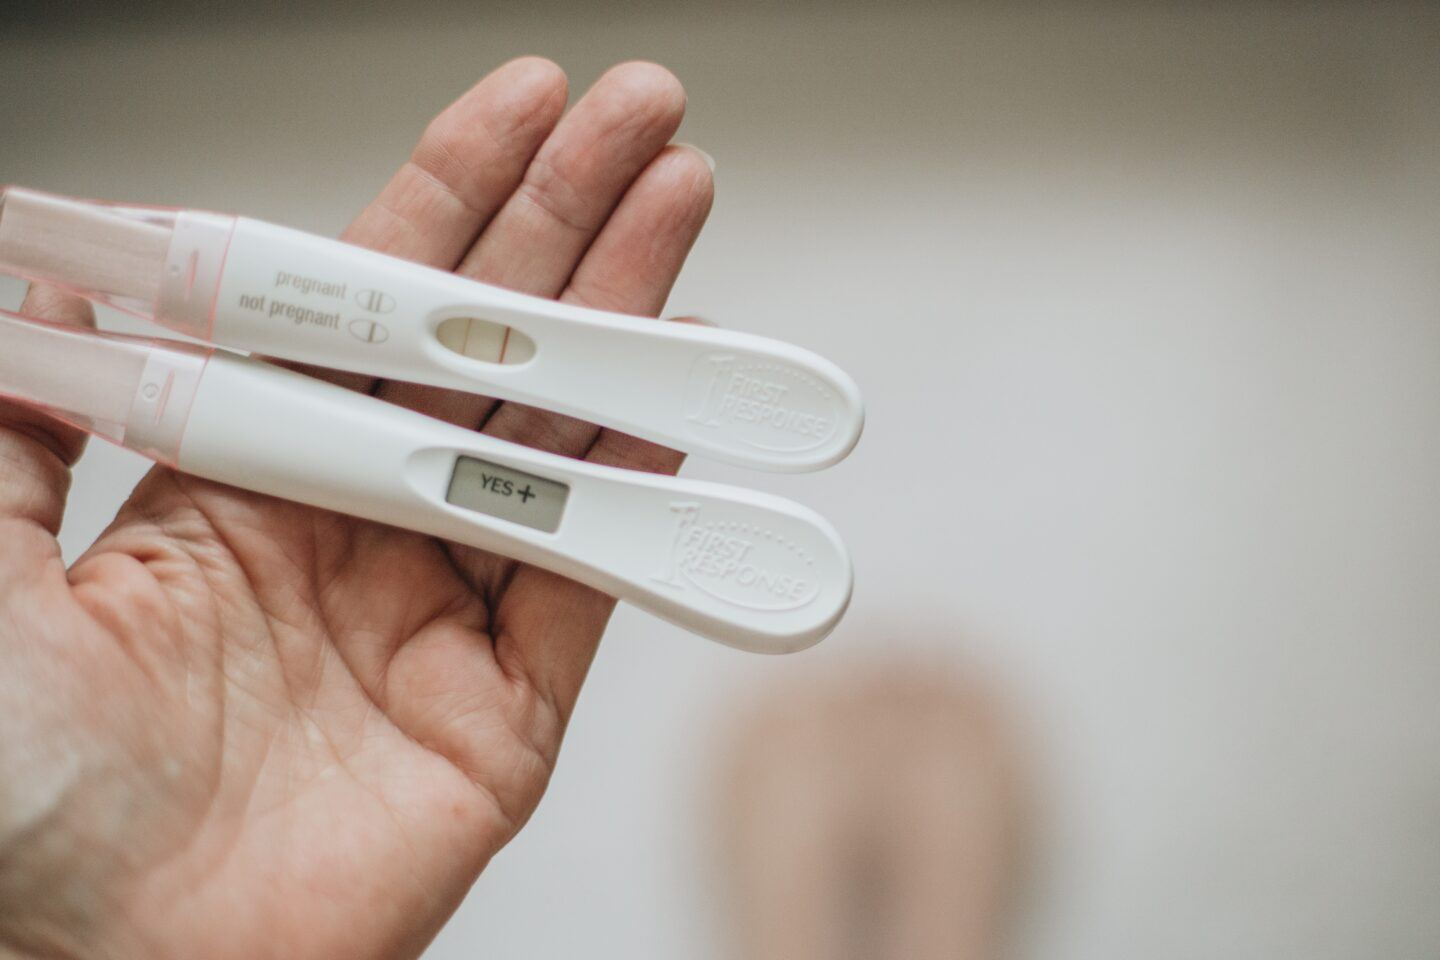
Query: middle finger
x=540, y=235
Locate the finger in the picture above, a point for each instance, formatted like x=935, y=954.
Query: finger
x=577, y=178
x=630, y=269
x=469, y=161
x=37, y=451
x=566, y=197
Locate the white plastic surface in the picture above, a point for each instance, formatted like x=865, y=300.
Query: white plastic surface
x=736, y=397
x=744, y=568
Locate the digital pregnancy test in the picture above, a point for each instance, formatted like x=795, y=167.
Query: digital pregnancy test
x=748, y=569
x=742, y=567
x=253, y=286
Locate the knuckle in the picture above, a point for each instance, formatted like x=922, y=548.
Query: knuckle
x=550, y=188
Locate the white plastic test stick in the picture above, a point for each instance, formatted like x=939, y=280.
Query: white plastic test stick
x=253, y=286
x=745, y=568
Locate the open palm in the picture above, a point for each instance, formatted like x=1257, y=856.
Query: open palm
x=239, y=727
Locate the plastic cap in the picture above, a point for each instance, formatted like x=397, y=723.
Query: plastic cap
x=133, y=391
x=154, y=262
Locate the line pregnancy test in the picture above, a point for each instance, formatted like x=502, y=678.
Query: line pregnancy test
x=254, y=286
x=747, y=569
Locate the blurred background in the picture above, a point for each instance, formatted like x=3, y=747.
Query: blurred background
x=1145, y=299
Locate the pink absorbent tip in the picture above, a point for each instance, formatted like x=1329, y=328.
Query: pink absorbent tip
x=154, y=262
x=130, y=390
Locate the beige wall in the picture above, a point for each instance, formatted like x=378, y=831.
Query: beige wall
x=1146, y=304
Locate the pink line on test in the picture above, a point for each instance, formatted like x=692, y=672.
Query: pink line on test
x=190, y=275
x=164, y=396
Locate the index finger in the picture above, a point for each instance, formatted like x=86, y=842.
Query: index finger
x=468, y=162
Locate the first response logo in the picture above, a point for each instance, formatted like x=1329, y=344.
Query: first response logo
x=740, y=563
x=766, y=405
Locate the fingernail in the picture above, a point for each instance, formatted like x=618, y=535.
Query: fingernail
x=709, y=160
x=698, y=321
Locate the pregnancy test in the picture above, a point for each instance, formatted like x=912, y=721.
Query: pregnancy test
x=254, y=286
x=745, y=568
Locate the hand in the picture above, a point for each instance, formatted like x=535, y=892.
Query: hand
x=238, y=727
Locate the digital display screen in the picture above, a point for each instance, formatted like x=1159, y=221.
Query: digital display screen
x=507, y=494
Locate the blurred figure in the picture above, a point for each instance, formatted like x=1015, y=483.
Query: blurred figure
x=870, y=814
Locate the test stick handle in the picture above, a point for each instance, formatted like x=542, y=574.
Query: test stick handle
x=742, y=567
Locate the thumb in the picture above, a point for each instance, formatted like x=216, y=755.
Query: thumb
x=36, y=450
